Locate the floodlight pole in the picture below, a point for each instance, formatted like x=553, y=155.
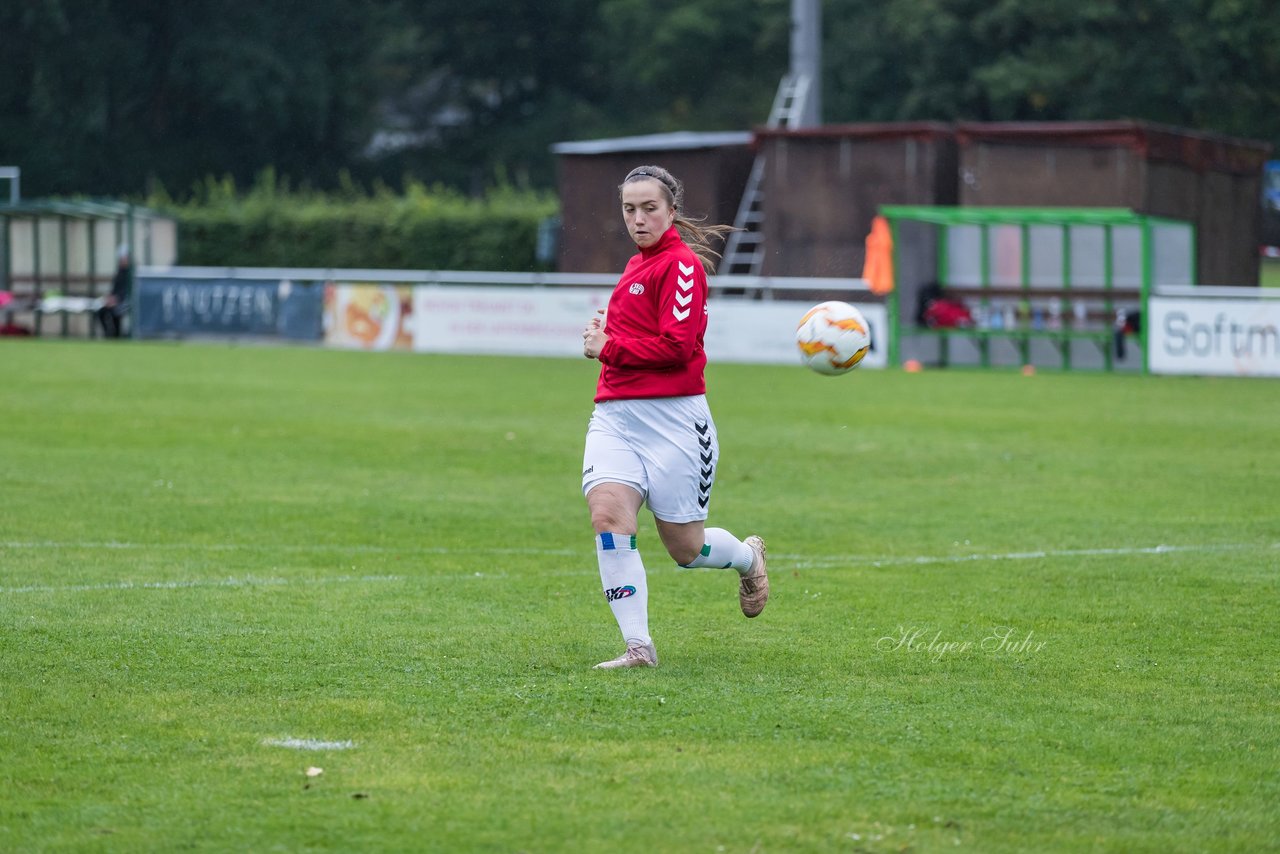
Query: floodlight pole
x=806, y=58
x=797, y=104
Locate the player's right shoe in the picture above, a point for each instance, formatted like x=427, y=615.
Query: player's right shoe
x=753, y=588
x=637, y=655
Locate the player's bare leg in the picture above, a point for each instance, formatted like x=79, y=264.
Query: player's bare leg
x=691, y=544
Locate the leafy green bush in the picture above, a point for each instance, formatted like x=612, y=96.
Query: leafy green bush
x=422, y=228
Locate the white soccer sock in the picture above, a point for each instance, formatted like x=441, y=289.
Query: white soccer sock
x=625, y=585
x=723, y=550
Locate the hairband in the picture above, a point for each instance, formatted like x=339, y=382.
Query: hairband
x=641, y=172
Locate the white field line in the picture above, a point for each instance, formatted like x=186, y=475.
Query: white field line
x=1039, y=554
x=792, y=561
x=797, y=560
x=308, y=744
x=248, y=547
x=247, y=581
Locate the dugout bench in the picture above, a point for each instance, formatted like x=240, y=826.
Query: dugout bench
x=1027, y=276
x=1104, y=319
x=57, y=260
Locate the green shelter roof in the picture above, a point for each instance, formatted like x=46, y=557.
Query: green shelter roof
x=941, y=215
x=88, y=208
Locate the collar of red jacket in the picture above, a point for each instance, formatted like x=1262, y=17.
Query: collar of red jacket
x=669, y=238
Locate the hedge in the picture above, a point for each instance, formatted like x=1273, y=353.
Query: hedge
x=420, y=229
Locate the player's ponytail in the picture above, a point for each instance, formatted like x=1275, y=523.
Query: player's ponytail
x=699, y=237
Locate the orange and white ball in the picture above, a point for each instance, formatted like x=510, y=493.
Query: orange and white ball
x=833, y=338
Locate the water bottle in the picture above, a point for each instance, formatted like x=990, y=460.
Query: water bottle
x=1055, y=314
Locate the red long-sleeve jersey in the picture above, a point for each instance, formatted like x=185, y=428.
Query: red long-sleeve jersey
x=655, y=323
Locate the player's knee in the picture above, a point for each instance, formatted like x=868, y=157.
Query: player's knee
x=607, y=520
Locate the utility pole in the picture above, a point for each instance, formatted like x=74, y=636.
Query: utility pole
x=797, y=104
x=806, y=59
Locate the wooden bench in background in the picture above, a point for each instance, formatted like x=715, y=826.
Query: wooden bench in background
x=1023, y=315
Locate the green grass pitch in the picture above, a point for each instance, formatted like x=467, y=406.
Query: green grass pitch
x=1009, y=613
x=1269, y=275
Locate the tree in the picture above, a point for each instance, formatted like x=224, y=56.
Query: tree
x=494, y=83
x=104, y=96
x=1206, y=64
x=108, y=92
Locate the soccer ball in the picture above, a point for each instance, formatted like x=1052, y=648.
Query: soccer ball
x=833, y=337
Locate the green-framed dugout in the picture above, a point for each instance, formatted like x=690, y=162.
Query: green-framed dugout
x=1054, y=275
x=69, y=248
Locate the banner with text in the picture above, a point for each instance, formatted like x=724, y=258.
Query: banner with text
x=256, y=308
x=549, y=322
x=503, y=321
x=1206, y=335
x=765, y=332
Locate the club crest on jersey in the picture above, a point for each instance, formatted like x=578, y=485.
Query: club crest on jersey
x=636, y=288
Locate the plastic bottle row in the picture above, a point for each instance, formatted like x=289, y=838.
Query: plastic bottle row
x=1030, y=314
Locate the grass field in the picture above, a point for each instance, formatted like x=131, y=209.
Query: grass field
x=1009, y=614
x=1269, y=275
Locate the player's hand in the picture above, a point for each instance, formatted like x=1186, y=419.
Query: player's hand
x=593, y=337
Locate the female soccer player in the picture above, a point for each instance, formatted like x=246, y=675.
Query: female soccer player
x=651, y=438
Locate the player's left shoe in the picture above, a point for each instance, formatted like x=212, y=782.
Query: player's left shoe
x=753, y=588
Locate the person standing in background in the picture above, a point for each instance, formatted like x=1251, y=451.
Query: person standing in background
x=115, y=305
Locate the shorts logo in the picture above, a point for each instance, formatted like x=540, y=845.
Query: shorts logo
x=637, y=288
x=616, y=593
x=707, y=457
x=588, y=470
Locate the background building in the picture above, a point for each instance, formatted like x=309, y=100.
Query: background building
x=822, y=185
x=713, y=166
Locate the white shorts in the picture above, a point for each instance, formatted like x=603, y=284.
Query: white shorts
x=665, y=448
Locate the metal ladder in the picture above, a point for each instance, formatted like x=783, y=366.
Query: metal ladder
x=744, y=248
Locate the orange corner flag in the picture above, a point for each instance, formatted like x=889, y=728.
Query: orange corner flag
x=878, y=267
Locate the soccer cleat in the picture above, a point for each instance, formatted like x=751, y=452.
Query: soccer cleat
x=637, y=655
x=753, y=588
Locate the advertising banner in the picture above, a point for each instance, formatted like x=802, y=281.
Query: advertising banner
x=366, y=316
x=503, y=320
x=763, y=332
x=354, y=310
x=1214, y=336
x=260, y=308
x=549, y=322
